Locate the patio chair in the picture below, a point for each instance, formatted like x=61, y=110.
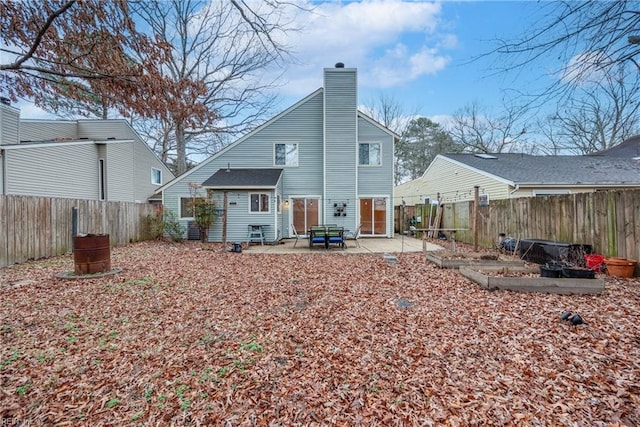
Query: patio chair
x=317, y=236
x=295, y=234
x=353, y=235
x=335, y=236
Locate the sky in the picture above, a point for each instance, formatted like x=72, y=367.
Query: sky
x=420, y=54
x=429, y=57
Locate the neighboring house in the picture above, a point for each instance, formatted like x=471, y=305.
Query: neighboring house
x=80, y=159
x=321, y=161
x=629, y=148
x=452, y=177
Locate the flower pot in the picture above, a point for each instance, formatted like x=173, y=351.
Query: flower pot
x=620, y=267
x=594, y=261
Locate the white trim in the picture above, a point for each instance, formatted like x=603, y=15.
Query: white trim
x=297, y=163
x=389, y=213
x=290, y=213
x=152, y=180
x=269, y=194
x=366, y=165
x=541, y=192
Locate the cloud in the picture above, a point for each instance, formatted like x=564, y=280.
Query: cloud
x=585, y=68
x=391, y=42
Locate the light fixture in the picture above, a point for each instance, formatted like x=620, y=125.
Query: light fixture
x=286, y=204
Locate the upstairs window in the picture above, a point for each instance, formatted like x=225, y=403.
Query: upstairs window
x=259, y=202
x=156, y=176
x=286, y=155
x=370, y=154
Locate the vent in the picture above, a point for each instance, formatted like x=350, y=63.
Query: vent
x=484, y=156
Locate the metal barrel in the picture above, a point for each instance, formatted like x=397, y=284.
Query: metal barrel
x=91, y=254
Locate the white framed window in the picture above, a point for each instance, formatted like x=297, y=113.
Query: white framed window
x=156, y=176
x=259, y=203
x=285, y=155
x=370, y=154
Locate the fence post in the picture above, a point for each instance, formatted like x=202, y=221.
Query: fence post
x=476, y=213
x=74, y=226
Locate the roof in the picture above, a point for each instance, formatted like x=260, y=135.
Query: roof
x=629, y=148
x=244, y=178
x=524, y=169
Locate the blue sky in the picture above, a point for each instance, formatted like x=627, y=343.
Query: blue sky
x=418, y=53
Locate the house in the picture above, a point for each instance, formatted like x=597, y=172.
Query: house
x=452, y=177
x=79, y=159
x=629, y=148
x=321, y=161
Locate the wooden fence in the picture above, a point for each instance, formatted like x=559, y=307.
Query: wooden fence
x=607, y=220
x=40, y=227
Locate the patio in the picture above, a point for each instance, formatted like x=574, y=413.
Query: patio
x=397, y=244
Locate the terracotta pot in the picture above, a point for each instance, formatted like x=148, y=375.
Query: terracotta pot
x=620, y=267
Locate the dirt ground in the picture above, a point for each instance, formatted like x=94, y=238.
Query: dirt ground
x=189, y=335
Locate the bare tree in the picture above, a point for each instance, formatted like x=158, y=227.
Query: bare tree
x=66, y=54
x=226, y=47
x=386, y=110
x=599, y=115
x=478, y=132
x=586, y=37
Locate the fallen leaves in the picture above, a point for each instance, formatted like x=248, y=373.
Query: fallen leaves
x=185, y=336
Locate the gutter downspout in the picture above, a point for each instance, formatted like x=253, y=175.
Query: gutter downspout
x=3, y=155
x=517, y=187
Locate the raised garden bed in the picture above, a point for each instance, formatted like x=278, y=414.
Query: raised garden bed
x=523, y=279
x=448, y=259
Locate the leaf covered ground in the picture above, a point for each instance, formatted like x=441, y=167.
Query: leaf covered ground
x=191, y=335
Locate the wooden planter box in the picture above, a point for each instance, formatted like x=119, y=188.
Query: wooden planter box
x=563, y=286
x=446, y=259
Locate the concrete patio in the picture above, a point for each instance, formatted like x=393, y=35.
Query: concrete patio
x=397, y=244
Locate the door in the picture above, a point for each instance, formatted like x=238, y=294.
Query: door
x=373, y=216
x=306, y=212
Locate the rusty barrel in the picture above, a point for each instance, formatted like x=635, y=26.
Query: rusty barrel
x=91, y=254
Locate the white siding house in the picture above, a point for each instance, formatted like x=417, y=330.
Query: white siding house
x=80, y=159
x=335, y=163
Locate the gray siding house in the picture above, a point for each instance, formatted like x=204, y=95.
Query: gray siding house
x=80, y=159
x=321, y=161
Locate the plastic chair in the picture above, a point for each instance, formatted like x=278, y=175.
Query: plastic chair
x=353, y=235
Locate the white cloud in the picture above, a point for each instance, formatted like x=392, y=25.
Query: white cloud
x=391, y=42
x=584, y=68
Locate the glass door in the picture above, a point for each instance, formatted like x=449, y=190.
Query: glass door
x=373, y=216
x=306, y=212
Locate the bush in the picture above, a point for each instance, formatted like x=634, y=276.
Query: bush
x=172, y=227
x=153, y=227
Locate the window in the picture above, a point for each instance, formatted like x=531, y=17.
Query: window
x=156, y=176
x=101, y=180
x=259, y=202
x=286, y=155
x=186, y=207
x=370, y=154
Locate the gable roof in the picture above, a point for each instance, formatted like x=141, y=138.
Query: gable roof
x=525, y=169
x=283, y=113
x=243, y=178
x=629, y=148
